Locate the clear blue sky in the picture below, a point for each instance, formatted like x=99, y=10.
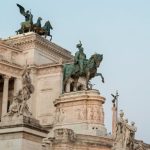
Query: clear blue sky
x=118, y=29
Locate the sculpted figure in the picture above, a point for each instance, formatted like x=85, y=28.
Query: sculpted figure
x=81, y=68
x=125, y=134
x=132, y=129
x=120, y=130
x=19, y=104
x=140, y=146
x=57, y=115
x=28, y=25
x=16, y=104
x=27, y=14
x=80, y=57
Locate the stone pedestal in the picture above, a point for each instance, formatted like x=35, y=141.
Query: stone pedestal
x=81, y=111
x=21, y=133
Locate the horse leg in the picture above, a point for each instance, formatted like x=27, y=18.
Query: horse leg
x=87, y=79
x=64, y=86
x=99, y=74
x=75, y=88
x=50, y=37
x=22, y=29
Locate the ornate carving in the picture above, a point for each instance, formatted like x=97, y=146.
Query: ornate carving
x=65, y=135
x=10, y=69
x=19, y=104
x=81, y=114
x=59, y=115
x=49, y=70
x=32, y=40
x=90, y=113
x=6, y=77
x=139, y=146
x=125, y=134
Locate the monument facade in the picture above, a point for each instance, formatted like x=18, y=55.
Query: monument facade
x=46, y=98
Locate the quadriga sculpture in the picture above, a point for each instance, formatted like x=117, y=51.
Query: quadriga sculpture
x=28, y=25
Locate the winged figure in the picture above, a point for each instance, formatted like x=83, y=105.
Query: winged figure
x=27, y=14
x=115, y=97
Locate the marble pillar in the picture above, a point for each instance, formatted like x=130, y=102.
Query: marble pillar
x=5, y=95
x=114, y=120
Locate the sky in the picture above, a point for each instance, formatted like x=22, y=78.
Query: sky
x=118, y=29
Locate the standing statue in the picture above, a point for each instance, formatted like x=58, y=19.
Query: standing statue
x=81, y=68
x=125, y=134
x=19, y=104
x=27, y=14
x=26, y=26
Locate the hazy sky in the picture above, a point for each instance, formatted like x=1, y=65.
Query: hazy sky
x=118, y=29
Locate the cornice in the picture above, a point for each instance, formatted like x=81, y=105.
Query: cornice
x=103, y=140
x=9, y=47
x=10, y=64
x=33, y=40
x=10, y=69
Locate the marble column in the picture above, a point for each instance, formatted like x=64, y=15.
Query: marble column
x=5, y=95
x=114, y=120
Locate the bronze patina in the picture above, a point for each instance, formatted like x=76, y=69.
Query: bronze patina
x=82, y=67
x=28, y=24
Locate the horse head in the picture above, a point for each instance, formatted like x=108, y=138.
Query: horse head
x=97, y=58
x=39, y=19
x=47, y=25
x=38, y=23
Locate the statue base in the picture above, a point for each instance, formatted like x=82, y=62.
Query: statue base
x=81, y=111
x=21, y=133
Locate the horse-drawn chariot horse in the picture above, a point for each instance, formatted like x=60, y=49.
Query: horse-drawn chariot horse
x=28, y=24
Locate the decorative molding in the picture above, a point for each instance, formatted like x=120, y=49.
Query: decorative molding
x=9, y=46
x=10, y=70
x=6, y=77
x=49, y=69
x=32, y=40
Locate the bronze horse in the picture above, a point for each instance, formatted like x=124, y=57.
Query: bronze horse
x=45, y=30
x=90, y=71
x=29, y=26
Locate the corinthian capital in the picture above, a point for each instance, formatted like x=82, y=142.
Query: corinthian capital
x=6, y=77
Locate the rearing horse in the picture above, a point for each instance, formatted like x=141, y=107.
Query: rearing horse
x=90, y=71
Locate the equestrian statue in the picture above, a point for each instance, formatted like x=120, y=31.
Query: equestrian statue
x=82, y=67
x=28, y=25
